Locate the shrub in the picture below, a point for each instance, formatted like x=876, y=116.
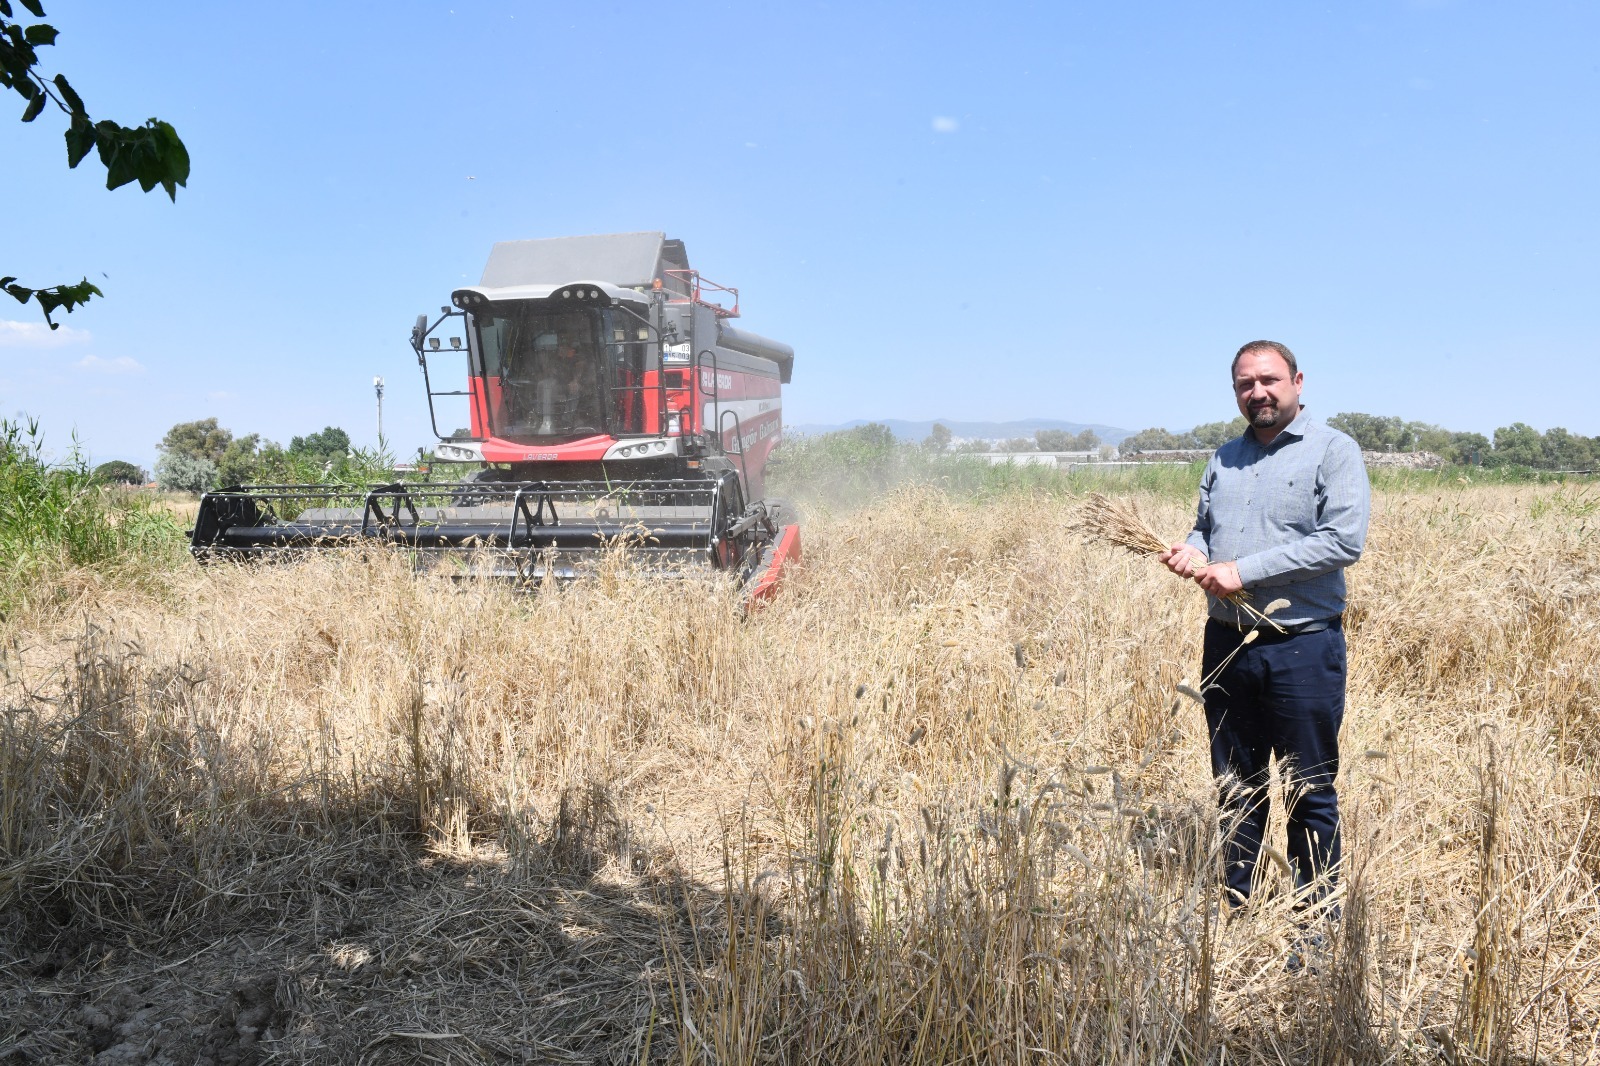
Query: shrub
x=120, y=472
x=179, y=472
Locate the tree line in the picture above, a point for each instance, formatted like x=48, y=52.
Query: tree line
x=202, y=455
x=1518, y=444
x=1043, y=440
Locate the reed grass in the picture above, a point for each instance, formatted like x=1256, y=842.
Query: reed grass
x=55, y=521
x=944, y=800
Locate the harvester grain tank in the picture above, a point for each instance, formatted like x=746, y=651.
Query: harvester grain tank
x=612, y=402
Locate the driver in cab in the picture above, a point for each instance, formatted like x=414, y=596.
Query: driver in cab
x=569, y=374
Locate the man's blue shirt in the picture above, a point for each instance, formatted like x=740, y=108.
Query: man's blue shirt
x=1292, y=515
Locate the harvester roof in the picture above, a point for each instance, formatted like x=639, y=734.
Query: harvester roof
x=626, y=260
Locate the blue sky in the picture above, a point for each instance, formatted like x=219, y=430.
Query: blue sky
x=1071, y=211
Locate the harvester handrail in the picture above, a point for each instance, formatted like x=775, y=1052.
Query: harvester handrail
x=698, y=285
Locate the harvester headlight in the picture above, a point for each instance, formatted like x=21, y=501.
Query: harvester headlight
x=566, y=294
x=433, y=342
x=455, y=342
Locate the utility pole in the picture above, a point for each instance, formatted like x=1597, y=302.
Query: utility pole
x=377, y=385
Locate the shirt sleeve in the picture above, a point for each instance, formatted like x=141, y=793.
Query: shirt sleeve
x=1200, y=537
x=1344, y=502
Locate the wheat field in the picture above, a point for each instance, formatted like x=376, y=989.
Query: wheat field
x=942, y=801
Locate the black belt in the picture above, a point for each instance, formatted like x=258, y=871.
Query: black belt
x=1271, y=629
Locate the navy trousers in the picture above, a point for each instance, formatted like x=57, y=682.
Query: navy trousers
x=1281, y=695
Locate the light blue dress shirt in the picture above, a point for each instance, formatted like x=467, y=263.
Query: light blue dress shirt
x=1292, y=515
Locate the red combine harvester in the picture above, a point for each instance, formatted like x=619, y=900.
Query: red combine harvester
x=611, y=401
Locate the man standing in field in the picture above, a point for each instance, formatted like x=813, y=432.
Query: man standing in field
x=1283, y=510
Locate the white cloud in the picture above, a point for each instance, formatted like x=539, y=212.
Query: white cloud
x=945, y=124
x=120, y=365
x=38, y=335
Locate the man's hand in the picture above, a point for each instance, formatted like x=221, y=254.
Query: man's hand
x=1220, y=579
x=1182, y=560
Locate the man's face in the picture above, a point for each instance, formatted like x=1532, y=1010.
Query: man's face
x=1269, y=397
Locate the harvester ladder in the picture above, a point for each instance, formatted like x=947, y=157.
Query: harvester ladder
x=424, y=350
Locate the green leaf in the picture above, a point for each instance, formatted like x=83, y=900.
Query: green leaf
x=80, y=138
x=151, y=155
x=5, y=8
x=73, y=100
x=56, y=297
x=35, y=106
x=34, y=7
x=41, y=34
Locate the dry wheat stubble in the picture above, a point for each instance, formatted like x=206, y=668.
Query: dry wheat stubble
x=612, y=743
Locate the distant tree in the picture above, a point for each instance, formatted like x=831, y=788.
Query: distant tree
x=239, y=460
x=938, y=439
x=151, y=154
x=1376, y=433
x=1429, y=438
x=119, y=472
x=971, y=446
x=181, y=472
x=1567, y=451
x=1518, y=444
x=1155, y=440
x=1059, y=440
x=1466, y=448
x=203, y=439
x=1216, y=434
x=331, y=443
x=1019, y=444
x=873, y=435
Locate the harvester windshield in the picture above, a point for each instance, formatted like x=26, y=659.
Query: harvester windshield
x=558, y=374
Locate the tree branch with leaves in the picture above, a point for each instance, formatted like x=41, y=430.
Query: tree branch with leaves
x=151, y=154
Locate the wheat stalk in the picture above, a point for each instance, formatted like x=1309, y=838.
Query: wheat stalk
x=1119, y=523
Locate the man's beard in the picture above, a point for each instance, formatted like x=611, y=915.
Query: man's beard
x=1265, y=416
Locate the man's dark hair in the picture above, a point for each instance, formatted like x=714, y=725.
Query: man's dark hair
x=1266, y=346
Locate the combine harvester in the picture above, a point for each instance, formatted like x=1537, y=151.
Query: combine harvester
x=612, y=402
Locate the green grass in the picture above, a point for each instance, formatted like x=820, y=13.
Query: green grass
x=54, y=518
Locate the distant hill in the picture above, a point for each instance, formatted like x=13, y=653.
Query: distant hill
x=916, y=431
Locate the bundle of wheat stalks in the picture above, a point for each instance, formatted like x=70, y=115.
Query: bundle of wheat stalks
x=1118, y=523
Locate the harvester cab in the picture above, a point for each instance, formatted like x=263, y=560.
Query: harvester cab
x=603, y=396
